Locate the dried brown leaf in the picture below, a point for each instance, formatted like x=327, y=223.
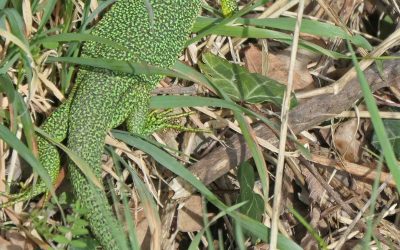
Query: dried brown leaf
x=346, y=142
x=17, y=241
x=278, y=67
x=142, y=231
x=317, y=191
x=190, y=216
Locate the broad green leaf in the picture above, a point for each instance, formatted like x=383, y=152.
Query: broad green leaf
x=61, y=239
x=64, y=230
x=392, y=127
x=78, y=244
x=254, y=208
x=240, y=84
x=79, y=231
x=90, y=243
x=192, y=74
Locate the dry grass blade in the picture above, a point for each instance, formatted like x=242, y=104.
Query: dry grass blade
x=283, y=132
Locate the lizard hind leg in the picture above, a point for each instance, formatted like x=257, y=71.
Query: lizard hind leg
x=56, y=126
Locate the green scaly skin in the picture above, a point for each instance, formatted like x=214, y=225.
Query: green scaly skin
x=155, y=34
x=229, y=7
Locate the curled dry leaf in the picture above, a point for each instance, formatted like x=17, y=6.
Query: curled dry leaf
x=190, y=216
x=347, y=141
x=278, y=65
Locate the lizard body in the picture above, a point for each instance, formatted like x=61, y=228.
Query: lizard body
x=102, y=99
x=105, y=99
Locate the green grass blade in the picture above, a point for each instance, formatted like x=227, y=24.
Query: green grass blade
x=165, y=102
x=321, y=242
x=102, y=6
x=209, y=237
x=196, y=240
x=239, y=236
x=209, y=30
x=16, y=24
x=78, y=37
x=27, y=155
x=256, y=228
x=47, y=10
x=312, y=27
x=21, y=110
x=117, y=65
x=127, y=212
x=374, y=195
x=256, y=153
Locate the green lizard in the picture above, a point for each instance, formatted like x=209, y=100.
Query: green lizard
x=154, y=31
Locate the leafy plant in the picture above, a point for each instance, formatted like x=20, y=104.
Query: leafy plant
x=254, y=208
x=72, y=234
x=253, y=203
x=240, y=84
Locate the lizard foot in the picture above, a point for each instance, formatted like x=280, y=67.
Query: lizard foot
x=26, y=195
x=163, y=120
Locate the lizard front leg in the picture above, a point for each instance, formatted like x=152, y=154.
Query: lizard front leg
x=134, y=110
